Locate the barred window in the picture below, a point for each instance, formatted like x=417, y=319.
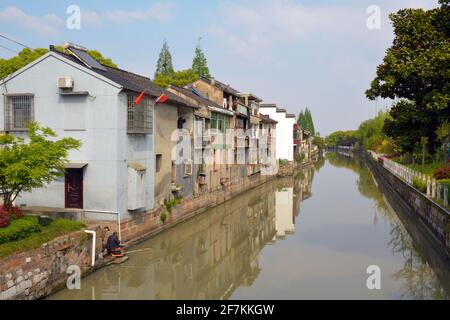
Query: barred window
x=19, y=111
x=140, y=116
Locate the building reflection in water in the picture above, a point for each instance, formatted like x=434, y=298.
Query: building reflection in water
x=209, y=256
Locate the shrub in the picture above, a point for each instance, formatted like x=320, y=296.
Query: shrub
x=163, y=217
x=442, y=173
x=19, y=229
x=15, y=212
x=419, y=185
x=4, y=217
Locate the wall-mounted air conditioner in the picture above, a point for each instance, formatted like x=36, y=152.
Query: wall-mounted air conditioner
x=65, y=83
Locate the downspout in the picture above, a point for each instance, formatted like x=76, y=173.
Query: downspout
x=94, y=238
x=110, y=212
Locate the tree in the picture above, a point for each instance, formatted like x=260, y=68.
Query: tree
x=341, y=138
x=26, y=165
x=164, y=65
x=26, y=56
x=416, y=69
x=305, y=121
x=200, y=63
x=179, y=78
x=101, y=59
x=406, y=124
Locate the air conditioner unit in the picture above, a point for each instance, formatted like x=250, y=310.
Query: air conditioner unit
x=65, y=83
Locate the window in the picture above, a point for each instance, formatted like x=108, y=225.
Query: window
x=158, y=162
x=188, y=167
x=140, y=117
x=19, y=111
x=222, y=123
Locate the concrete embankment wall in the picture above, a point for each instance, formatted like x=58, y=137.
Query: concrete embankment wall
x=433, y=216
x=37, y=273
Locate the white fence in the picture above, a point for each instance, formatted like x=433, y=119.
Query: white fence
x=434, y=190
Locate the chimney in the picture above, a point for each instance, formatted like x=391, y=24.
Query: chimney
x=213, y=81
x=51, y=48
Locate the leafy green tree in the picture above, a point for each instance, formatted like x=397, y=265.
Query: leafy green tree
x=341, y=138
x=407, y=124
x=26, y=164
x=416, y=69
x=101, y=59
x=319, y=142
x=164, y=66
x=200, y=63
x=178, y=78
x=26, y=56
x=370, y=132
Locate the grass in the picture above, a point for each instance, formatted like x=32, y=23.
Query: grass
x=55, y=229
x=427, y=169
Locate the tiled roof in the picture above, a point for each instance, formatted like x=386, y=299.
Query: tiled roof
x=133, y=82
x=266, y=118
x=188, y=92
x=225, y=87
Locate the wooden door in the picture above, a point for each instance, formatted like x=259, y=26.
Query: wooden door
x=74, y=188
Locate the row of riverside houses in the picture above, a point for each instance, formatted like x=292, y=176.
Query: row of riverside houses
x=128, y=161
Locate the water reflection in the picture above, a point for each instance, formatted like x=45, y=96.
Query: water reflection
x=293, y=238
x=419, y=280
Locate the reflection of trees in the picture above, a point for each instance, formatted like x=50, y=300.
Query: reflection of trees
x=419, y=278
x=319, y=164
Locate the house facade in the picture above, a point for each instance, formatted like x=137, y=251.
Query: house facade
x=114, y=170
x=285, y=125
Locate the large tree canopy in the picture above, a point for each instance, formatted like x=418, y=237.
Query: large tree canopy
x=178, y=78
x=417, y=66
x=8, y=66
x=416, y=69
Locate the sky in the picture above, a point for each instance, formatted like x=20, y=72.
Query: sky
x=317, y=54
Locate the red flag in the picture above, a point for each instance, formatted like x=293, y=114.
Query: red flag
x=138, y=99
x=162, y=98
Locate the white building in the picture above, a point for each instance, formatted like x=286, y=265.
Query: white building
x=284, y=130
x=77, y=97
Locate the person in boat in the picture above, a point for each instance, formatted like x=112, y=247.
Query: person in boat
x=113, y=245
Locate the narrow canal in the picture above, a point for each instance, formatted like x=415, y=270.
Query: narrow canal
x=308, y=237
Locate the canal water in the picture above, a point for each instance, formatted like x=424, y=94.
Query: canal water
x=312, y=236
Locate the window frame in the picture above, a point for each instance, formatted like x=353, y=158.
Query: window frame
x=144, y=126
x=188, y=164
x=9, y=118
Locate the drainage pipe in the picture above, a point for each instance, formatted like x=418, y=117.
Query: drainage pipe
x=94, y=238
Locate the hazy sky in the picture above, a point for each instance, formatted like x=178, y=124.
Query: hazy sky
x=317, y=54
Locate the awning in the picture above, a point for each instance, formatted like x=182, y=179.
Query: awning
x=79, y=165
